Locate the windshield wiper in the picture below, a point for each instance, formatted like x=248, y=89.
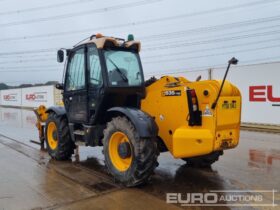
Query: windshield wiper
x=123, y=76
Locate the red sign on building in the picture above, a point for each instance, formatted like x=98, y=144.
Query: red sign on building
x=262, y=93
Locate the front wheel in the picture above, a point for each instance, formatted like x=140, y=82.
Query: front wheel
x=204, y=161
x=129, y=158
x=59, y=143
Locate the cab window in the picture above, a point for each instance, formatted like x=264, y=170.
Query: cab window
x=123, y=68
x=75, y=77
x=95, y=75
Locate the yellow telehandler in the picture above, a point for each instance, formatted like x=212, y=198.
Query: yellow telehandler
x=108, y=103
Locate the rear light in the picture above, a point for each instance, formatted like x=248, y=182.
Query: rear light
x=194, y=113
x=194, y=103
x=193, y=93
x=194, y=107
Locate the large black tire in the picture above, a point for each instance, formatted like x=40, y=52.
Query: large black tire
x=144, y=153
x=204, y=161
x=65, y=146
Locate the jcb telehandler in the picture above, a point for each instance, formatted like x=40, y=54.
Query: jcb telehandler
x=107, y=103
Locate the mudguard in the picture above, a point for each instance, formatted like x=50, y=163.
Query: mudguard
x=143, y=122
x=59, y=110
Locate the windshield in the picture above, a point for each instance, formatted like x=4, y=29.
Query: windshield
x=123, y=68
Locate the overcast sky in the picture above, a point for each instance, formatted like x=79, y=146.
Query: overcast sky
x=176, y=35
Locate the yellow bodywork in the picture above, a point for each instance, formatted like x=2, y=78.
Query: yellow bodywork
x=219, y=129
x=42, y=117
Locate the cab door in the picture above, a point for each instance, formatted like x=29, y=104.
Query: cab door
x=75, y=90
x=95, y=82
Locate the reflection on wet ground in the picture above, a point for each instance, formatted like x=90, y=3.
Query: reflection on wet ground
x=254, y=164
x=263, y=158
x=18, y=124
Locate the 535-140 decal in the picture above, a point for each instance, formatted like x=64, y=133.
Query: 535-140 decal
x=171, y=93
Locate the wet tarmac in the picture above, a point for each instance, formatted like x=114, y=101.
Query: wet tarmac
x=29, y=179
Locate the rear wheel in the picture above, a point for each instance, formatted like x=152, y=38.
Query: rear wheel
x=59, y=143
x=129, y=158
x=204, y=161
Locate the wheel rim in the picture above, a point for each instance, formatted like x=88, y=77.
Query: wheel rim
x=120, y=163
x=52, y=135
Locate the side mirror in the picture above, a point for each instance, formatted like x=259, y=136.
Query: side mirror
x=59, y=86
x=60, y=56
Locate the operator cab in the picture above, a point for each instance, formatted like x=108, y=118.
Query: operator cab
x=101, y=73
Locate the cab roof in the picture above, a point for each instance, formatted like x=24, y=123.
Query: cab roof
x=103, y=41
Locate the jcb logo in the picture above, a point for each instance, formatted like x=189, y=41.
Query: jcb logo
x=262, y=93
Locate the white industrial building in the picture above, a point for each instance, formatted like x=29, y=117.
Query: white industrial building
x=31, y=97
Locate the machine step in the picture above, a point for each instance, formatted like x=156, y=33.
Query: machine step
x=79, y=132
